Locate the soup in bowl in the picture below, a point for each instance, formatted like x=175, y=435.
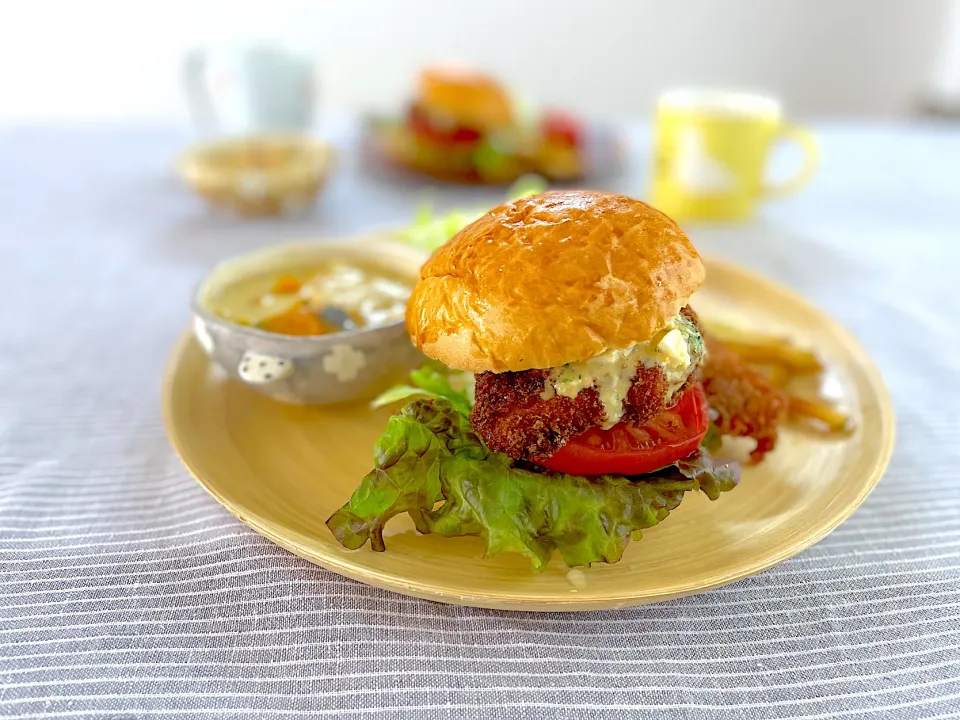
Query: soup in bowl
x=312, y=322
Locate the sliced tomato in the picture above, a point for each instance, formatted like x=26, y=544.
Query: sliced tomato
x=633, y=450
x=420, y=124
x=562, y=128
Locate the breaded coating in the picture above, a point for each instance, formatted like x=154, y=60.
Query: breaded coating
x=746, y=402
x=512, y=418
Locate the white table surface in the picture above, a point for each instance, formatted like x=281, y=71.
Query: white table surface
x=127, y=591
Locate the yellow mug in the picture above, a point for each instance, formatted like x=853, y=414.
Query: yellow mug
x=711, y=150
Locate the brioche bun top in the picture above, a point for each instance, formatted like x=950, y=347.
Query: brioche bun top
x=550, y=279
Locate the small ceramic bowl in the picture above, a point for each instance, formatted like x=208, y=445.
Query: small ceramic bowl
x=260, y=175
x=322, y=369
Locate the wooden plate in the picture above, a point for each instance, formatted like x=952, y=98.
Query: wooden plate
x=283, y=470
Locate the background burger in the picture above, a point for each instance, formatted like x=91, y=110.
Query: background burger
x=461, y=125
x=587, y=421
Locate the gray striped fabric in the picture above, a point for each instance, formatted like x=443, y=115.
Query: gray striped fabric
x=128, y=592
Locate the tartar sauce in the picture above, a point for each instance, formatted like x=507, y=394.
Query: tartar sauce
x=676, y=349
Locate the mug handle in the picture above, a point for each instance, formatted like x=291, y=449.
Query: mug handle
x=811, y=159
x=197, y=93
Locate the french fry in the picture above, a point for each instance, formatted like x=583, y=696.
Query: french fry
x=778, y=374
x=835, y=422
x=727, y=332
x=781, y=362
x=777, y=352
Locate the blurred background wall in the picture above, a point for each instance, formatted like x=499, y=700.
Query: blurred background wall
x=108, y=59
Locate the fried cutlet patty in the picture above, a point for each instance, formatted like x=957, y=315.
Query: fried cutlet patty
x=512, y=417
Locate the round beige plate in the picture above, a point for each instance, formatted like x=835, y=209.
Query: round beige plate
x=283, y=470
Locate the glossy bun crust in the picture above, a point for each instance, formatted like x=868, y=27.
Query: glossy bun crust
x=551, y=279
x=471, y=98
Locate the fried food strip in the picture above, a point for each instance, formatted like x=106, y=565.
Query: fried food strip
x=777, y=352
x=747, y=403
x=778, y=374
x=781, y=362
x=835, y=422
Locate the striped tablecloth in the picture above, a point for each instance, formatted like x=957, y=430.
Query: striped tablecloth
x=128, y=592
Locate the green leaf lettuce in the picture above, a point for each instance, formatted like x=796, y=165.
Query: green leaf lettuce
x=429, y=231
x=429, y=454
x=436, y=383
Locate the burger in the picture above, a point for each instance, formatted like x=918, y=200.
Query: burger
x=586, y=421
x=460, y=104
x=461, y=126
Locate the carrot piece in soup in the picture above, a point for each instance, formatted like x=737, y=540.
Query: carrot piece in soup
x=286, y=284
x=298, y=320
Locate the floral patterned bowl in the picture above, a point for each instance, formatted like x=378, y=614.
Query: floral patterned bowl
x=323, y=369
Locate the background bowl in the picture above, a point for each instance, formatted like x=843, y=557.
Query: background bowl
x=262, y=175
x=320, y=369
